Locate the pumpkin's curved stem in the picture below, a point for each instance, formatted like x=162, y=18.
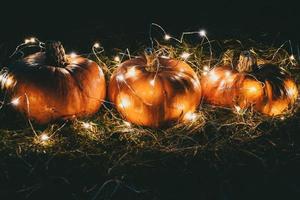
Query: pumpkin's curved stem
x=247, y=62
x=55, y=54
x=152, y=62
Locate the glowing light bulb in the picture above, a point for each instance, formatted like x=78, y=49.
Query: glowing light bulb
x=292, y=92
x=73, y=55
x=120, y=77
x=44, y=137
x=9, y=81
x=180, y=106
x=152, y=82
x=238, y=109
x=252, y=89
x=166, y=57
x=125, y=102
x=30, y=40
x=282, y=118
x=26, y=41
x=131, y=72
x=228, y=73
x=202, y=33
x=213, y=76
x=167, y=37
x=117, y=59
x=15, y=101
x=204, y=73
x=190, y=116
x=86, y=125
x=206, y=68
x=185, y=55
x=96, y=45
x=292, y=57
x=128, y=124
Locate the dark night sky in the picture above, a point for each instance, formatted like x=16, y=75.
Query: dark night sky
x=117, y=24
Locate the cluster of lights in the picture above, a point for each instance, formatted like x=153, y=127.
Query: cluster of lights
x=30, y=40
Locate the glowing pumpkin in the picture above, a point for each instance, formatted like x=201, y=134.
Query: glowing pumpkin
x=154, y=91
x=49, y=85
x=266, y=87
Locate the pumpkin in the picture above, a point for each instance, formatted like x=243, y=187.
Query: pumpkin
x=154, y=91
x=267, y=87
x=50, y=85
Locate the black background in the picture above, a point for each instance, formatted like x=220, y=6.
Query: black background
x=126, y=23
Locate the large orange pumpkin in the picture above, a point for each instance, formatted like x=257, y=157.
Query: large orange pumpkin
x=154, y=91
x=266, y=87
x=49, y=85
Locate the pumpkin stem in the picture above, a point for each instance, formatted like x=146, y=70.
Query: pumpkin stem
x=247, y=62
x=152, y=62
x=55, y=54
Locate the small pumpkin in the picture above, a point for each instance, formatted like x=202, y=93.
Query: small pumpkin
x=50, y=85
x=268, y=88
x=154, y=91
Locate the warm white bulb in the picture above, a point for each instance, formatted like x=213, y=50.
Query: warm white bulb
x=44, y=137
x=167, y=37
x=202, y=33
x=15, y=101
x=131, y=72
x=8, y=81
x=73, y=55
x=228, y=73
x=237, y=108
x=125, y=102
x=213, y=76
x=120, y=77
x=30, y=40
x=86, y=125
x=127, y=123
x=185, y=55
x=117, y=59
x=204, y=73
x=26, y=41
x=206, y=68
x=292, y=57
x=96, y=45
x=252, y=89
x=152, y=82
x=190, y=116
